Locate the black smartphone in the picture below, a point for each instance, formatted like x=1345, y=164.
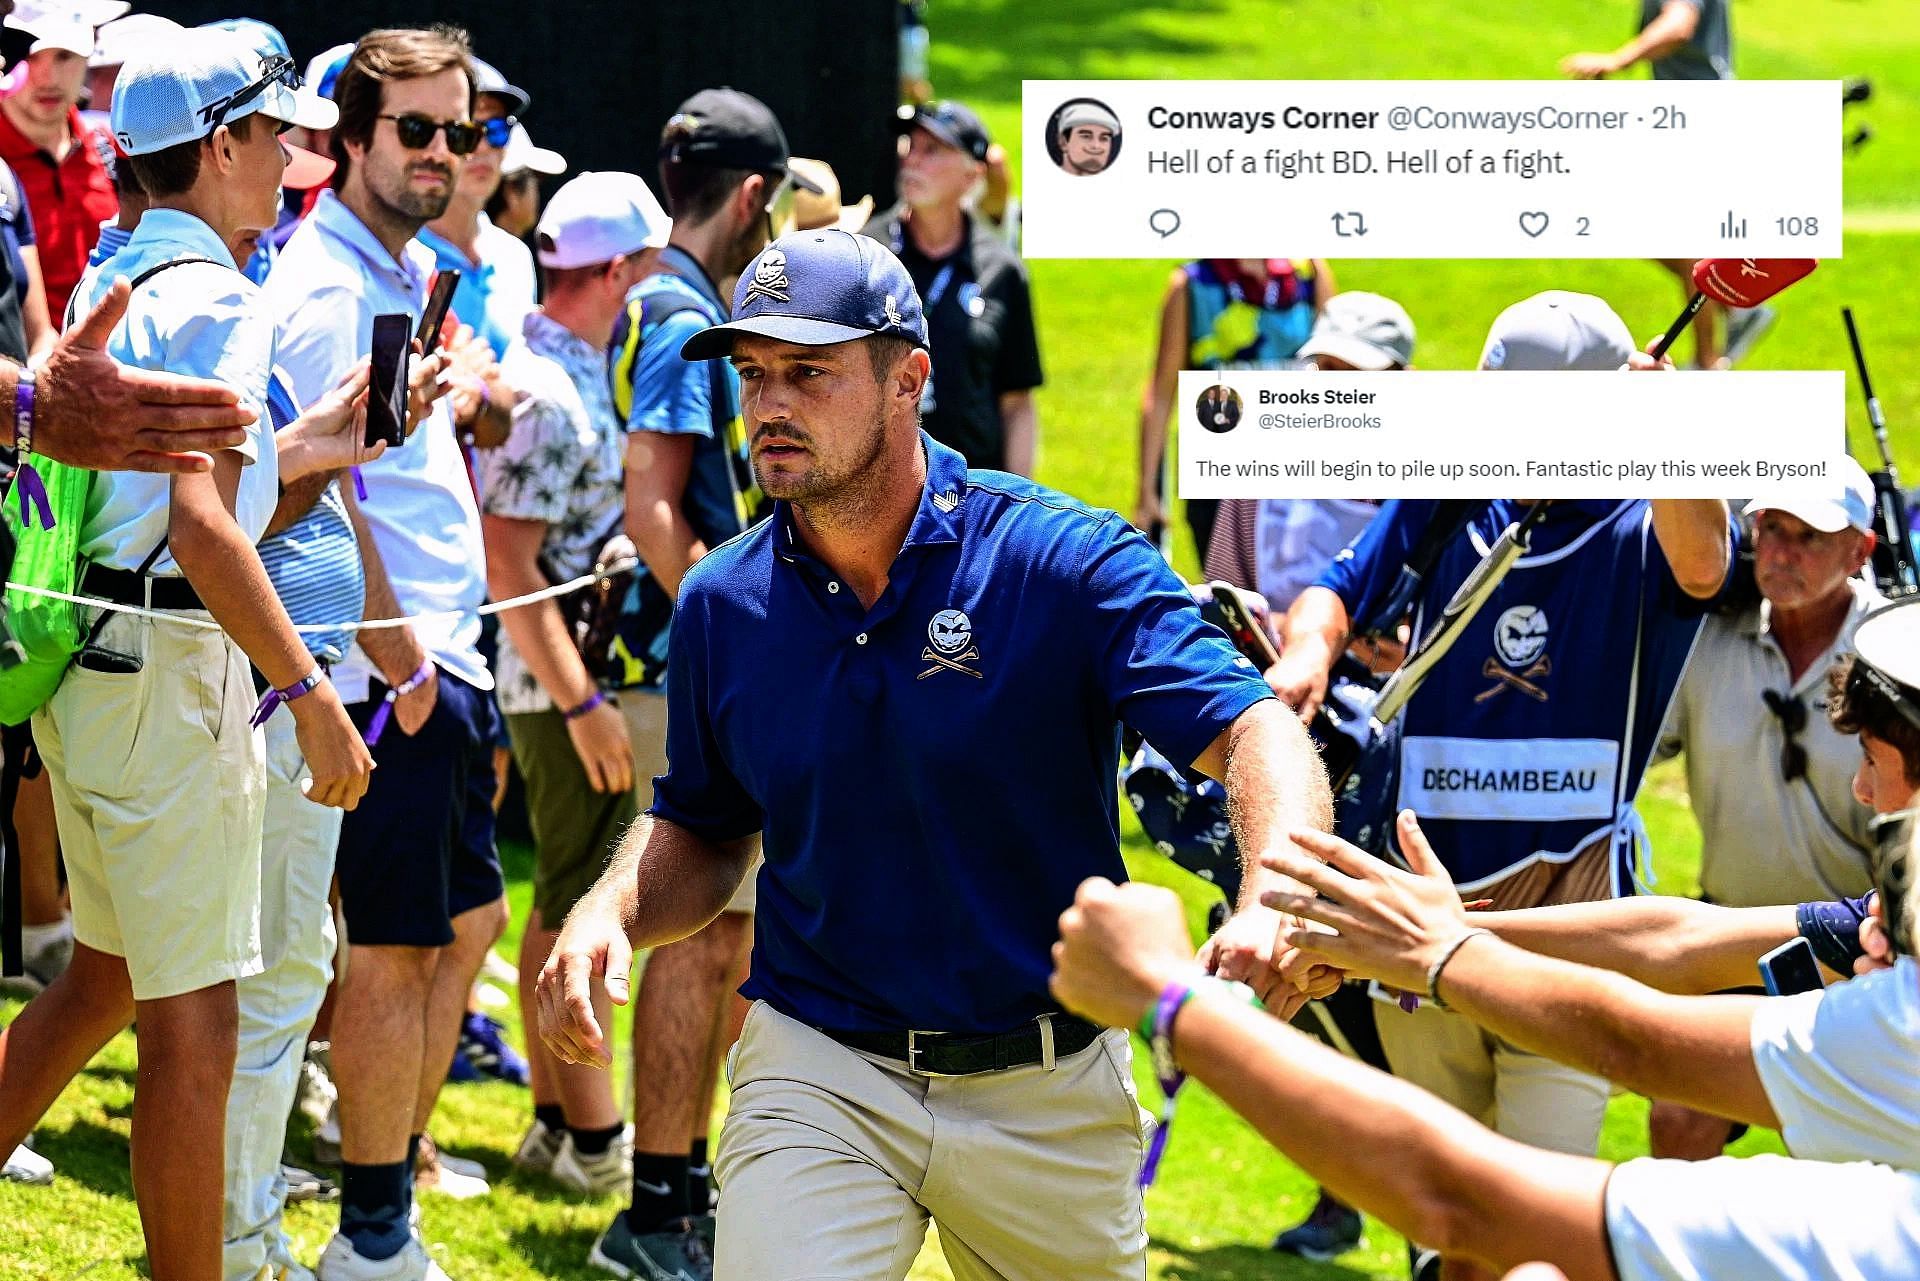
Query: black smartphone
x=1790, y=968
x=387, y=398
x=444, y=283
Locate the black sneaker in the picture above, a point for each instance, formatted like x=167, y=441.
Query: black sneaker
x=1331, y=1228
x=674, y=1253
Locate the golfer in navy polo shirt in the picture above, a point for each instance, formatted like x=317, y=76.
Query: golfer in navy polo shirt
x=910, y=681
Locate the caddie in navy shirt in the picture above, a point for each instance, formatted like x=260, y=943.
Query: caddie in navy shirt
x=910, y=680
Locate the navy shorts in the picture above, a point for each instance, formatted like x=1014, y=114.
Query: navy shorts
x=418, y=851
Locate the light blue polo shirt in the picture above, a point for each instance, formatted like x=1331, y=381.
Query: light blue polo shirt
x=495, y=294
x=332, y=278
x=935, y=776
x=203, y=319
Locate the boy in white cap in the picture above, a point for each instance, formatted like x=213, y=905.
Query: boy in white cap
x=1088, y=132
x=157, y=773
x=552, y=498
x=1753, y=692
x=1526, y=745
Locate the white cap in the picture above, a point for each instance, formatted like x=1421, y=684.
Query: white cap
x=1557, y=330
x=596, y=217
x=1888, y=640
x=70, y=29
x=1844, y=498
x=124, y=38
x=170, y=94
x=1363, y=329
x=521, y=154
x=325, y=67
x=1088, y=113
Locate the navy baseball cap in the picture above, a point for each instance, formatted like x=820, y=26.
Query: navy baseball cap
x=816, y=288
x=953, y=123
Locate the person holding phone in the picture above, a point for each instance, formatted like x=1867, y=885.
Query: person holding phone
x=419, y=878
x=160, y=813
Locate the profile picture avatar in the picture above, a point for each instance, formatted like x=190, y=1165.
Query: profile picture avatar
x=1218, y=408
x=1083, y=136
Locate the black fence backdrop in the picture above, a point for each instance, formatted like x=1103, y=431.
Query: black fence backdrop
x=604, y=77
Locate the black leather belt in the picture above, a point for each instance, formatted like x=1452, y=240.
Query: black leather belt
x=124, y=587
x=963, y=1054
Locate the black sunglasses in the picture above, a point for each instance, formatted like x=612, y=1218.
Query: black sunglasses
x=275, y=70
x=1792, y=714
x=416, y=132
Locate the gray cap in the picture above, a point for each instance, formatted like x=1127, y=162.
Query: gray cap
x=1557, y=330
x=1363, y=329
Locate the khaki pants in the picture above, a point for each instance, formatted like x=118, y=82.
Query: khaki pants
x=158, y=787
x=831, y=1163
x=1521, y=1095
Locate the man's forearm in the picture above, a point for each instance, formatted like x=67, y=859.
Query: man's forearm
x=297, y=497
x=666, y=883
x=226, y=573
x=665, y=543
x=1695, y=1050
x=1020, y=423
x=1693, y=534
x=1671, y=944
x=1317, y=624
x=1275, y=782
x=1673, y=27
x=1451, y=1183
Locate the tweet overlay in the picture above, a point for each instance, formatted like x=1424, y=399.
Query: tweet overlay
x=1431, y=169
x=1512, y=433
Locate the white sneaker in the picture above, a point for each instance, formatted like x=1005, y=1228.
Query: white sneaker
x=341, y=1262
x=26, y=1166
x=609, y=1171
x=538, y=1149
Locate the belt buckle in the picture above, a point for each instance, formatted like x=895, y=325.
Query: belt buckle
x=913, y=1055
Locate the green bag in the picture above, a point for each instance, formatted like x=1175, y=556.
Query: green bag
x=47, y=630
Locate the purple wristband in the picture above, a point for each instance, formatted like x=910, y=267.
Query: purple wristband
x=1166, y=1071
x=597, y=699
x=274, y=697
x=27, y=484
x=383, y=713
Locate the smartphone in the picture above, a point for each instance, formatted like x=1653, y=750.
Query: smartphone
x=444, y=283
x=1248, y=636
x=387, y=398
x=1790, y=968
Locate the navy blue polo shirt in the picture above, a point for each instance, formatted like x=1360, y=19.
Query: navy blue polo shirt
x=935, y=776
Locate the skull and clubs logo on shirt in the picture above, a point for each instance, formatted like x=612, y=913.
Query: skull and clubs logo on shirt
x=950, y=645
x=1520, y=644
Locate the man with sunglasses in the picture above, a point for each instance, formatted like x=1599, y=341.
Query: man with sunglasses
x=690, y=487
x=419, y=879
x=1754, y=689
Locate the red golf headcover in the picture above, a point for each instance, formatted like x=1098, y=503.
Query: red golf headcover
x=1747, y=282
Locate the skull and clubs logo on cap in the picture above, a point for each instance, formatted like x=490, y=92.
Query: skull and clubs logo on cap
x=769, y=277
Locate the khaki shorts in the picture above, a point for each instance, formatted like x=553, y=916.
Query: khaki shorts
x=1521, y=1095
x=831, y=1162
x=575, y=829
x=158, y=788
x=647, y=727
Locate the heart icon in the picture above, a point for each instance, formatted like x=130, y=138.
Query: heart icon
x=1533, y=222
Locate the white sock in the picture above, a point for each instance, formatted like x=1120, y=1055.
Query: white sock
x=34, y=938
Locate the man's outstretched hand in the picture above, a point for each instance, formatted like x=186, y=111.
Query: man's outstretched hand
x=92, y=411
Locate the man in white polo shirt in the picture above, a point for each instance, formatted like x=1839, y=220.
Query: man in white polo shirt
x=1754, y=691
x=419, y=879
x=157, y=774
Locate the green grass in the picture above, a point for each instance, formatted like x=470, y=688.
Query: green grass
x=1223, y=1191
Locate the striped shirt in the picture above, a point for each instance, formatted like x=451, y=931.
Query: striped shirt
x=314, y=563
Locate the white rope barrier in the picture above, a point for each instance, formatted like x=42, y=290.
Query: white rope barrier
x=599, y=573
